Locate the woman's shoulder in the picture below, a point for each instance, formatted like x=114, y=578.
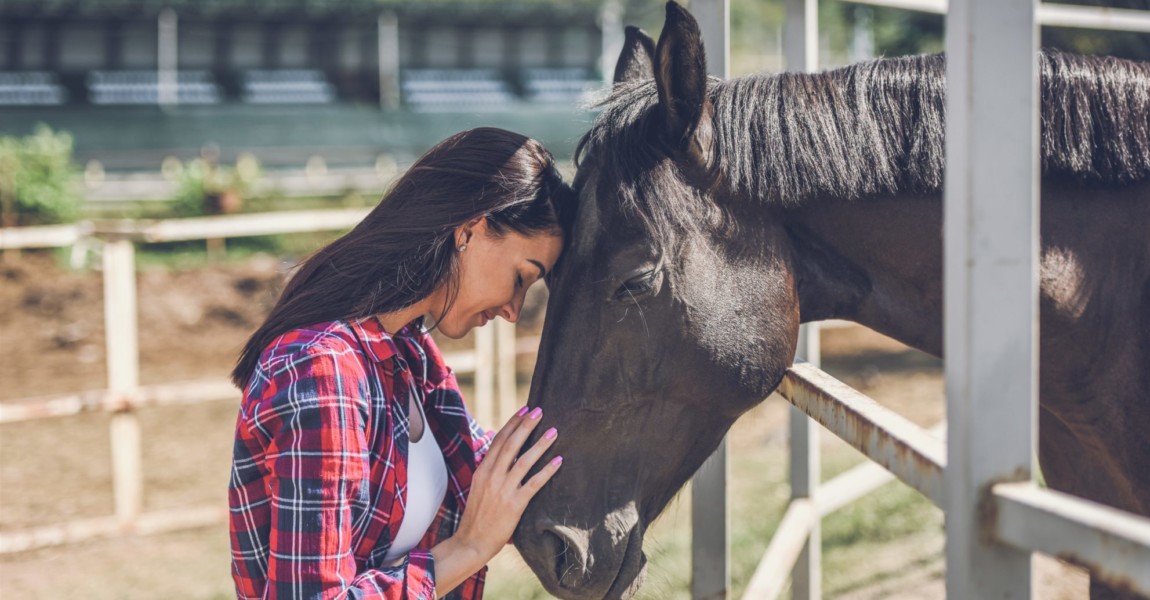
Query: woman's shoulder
x=329, y=340
x=317, y=368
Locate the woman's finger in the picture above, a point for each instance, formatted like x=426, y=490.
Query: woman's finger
x=500, y=439
x=516, y=440
x=538, y=480
x=524, y=463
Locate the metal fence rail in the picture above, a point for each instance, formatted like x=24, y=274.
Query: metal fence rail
x=495, y=375
x=1113, y=544
x=992, y=527
x=884, y=436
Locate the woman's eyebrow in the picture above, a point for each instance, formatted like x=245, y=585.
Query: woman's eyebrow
x=542, y=271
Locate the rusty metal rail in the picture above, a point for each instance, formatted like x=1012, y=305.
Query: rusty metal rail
x=883, y=435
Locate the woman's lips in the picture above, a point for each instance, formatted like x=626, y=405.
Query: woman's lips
x=484, y=317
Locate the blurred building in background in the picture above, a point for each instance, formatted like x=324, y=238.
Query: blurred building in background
x=138, y=80
x=106, y=52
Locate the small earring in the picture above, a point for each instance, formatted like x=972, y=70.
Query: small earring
x=462, y=247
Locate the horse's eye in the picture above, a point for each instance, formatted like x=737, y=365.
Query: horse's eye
x=644, y=283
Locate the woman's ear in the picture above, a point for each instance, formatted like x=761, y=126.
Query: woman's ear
x=466, y=232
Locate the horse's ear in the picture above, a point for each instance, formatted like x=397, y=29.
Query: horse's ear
x=681, y=78
x=637, y=58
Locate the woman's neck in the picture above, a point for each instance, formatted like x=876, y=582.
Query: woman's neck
x=394, y=321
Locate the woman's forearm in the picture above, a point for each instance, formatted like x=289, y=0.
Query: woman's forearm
x=455, y=561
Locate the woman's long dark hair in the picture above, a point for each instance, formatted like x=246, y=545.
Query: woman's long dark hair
x=405, y=248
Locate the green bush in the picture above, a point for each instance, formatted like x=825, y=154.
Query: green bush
x=208, y=188
x=36, y=174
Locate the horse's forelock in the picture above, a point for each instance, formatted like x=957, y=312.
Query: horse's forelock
x=630, y=161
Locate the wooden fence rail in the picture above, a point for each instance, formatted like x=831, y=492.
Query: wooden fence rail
x=492, y=361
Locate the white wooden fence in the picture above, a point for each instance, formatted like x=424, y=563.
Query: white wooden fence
x=997, y=516
x=492, y=361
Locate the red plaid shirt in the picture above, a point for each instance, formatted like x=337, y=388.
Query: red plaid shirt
x=319, y=469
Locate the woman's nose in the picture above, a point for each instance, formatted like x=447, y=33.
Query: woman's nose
x=509, y=312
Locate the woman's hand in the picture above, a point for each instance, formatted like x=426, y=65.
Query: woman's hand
x=499, y=494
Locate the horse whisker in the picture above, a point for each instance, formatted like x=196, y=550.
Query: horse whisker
x=641, y=316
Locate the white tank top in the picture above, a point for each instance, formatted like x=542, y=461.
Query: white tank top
x=426, y=486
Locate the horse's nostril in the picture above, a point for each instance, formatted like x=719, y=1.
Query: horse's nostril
x=558, y=552
x=572, y=559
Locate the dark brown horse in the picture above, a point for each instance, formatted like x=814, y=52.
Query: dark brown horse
x=715, y=216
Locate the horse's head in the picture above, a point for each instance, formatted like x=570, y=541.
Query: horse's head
x=664, y=323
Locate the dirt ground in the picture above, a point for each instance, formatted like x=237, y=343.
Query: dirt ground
x=192, y=322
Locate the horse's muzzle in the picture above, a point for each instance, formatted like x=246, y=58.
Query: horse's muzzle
x=585, y=564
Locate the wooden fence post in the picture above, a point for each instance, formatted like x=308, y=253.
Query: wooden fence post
x=123, y=362
x=485, y=377
x=507, y=373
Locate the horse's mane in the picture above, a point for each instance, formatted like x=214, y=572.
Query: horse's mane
x=877, y=127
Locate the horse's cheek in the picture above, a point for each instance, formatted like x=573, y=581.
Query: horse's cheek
x=720, y=313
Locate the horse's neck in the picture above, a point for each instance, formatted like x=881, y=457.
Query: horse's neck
x=877, y=262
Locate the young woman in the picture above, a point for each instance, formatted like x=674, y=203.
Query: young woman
x=357, y=471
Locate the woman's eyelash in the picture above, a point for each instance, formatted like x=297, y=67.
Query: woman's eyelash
x=518, y=281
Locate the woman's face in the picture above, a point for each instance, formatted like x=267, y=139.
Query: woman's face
x=494, y=274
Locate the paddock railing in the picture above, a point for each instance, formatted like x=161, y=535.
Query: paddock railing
x=994, y=522
x=492, y=362
x=1113, y=544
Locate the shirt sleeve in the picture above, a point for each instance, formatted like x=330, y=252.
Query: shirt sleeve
x=311, y=419
x=482, y=439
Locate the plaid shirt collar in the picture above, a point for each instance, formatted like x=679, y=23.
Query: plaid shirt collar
x=379, y=344
x=403, y=349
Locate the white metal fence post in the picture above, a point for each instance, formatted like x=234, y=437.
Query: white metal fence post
x=710, y=519
x=800, y=53
x=806, y=576
x=123, y=363
x=611, y=24
x=991, y=246
x=801, y=35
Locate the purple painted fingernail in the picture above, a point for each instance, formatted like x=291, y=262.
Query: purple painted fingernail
x=522, y=411
x=535, y=414
x=558, y=460
x=551, y=433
